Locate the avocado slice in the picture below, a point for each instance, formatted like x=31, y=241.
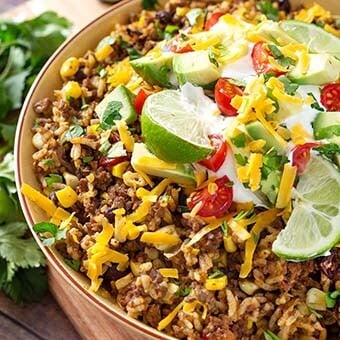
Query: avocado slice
x=326, y=125
x=256, y=130
x=143, y=160
x=323, y=69
x=195, y=67
x=120, y=94
x=155, y=68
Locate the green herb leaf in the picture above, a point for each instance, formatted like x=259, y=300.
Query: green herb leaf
x=74, y=131
x=216, y=274
x=87, y=159
x=315, y=105
x=184, y=291
x=281, y=59
x=331, y=298
x=53, y=178
x=329, y=150
x=268, y=9
x=48, y=162
x=74, y=264
x=269, y=335
x=111, y=113
x=290, y=87
x=170, y=31
x=239, y=140
x=52, y=229
x=240, y=159
x=149, y=4
x=7, y=134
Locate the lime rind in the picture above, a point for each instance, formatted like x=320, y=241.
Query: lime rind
x=171, y=129
x=314, y=225
x=316, y=38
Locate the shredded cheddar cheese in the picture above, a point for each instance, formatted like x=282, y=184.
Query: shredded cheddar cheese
x=286, y=185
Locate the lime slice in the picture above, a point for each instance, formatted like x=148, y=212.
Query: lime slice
x=316, y=38
x=173, y=130
x=314, y=225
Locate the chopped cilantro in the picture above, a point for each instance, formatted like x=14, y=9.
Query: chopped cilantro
x=74, y=264
x=240, y=159
x=328, y=150
x=48, y=162
x=54, y=233
x=111, y=113
x=290, y=87
x=331, y=298
x=239, y=140
x=269, y=335
x=74, y=131
x=217, y=273
x=315, y=105
x=281, y=59
x=272, y=161
x=149, y=4
x=185, y=291
x=87, y=159
x=268, y=9
x=53, y=178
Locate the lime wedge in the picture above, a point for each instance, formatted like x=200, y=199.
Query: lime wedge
x=316, y=38
x=314, y=225
x=172, y=130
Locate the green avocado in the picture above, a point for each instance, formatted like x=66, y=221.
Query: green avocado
x=256, y=130
x=195, y=67
x=326, y=125
x=122, y=95
x=323, y=69
x=155, y=69
x=143, y=160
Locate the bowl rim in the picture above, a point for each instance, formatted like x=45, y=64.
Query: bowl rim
x=51, y=256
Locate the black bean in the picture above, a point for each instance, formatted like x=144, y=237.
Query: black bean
x=284, y=5
x=164, y=17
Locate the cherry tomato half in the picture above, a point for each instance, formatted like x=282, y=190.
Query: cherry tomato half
x=214, y=201
x=216, y=159
x=109, y=162
x=140, y=100
x=212, y=20
x=178, y=45
x=224, y=92
x=261, y=64
x=301, y=156
x=330, y=97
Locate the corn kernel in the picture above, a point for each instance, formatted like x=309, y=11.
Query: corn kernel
x=72, y=89
x=119, y=169
x=69, y=67
x=67, y=196
x=104, y=52
x=216, y=284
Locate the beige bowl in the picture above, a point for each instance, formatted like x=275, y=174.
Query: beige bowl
x=94, y=315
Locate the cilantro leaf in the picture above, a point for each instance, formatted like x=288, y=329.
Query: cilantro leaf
x=74, y=264
x=149, y=4
x=185, y=291
x=290, y=87
x=239, y=140
x=240, y=159
x=53, y=178
x=73, y=131
x=111, y=113
x=14, y=248
x=49, y=233
x=268, y=9
x=315, y=105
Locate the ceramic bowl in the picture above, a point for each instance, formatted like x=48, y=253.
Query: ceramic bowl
x=94, y=315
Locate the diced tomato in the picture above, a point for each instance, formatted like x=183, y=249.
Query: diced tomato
x=178, y=45
x=330, y=97
x=301, y=156
x=216, y=159
x=212, y=20
x=224, y=92
x=261, y=64
x=215, y=200
x=140, y=100
x=109, y=162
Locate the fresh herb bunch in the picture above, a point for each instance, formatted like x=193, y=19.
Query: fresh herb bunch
x=24, y=48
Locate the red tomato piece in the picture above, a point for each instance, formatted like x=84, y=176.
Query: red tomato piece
x=216, y=159
x=212, y=20
x=261, y=64
x=140, y=100
x=214, y=201
x=330, y=97
x=109, y=162
x=224, y=92
x=301, y=156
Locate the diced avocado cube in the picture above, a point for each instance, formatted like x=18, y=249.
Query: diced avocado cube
x=323, y=69
x=125, y=97
x=143, y=160
x=326, y=125
x=195, y=67
x=256, y=130
x=155, y=68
